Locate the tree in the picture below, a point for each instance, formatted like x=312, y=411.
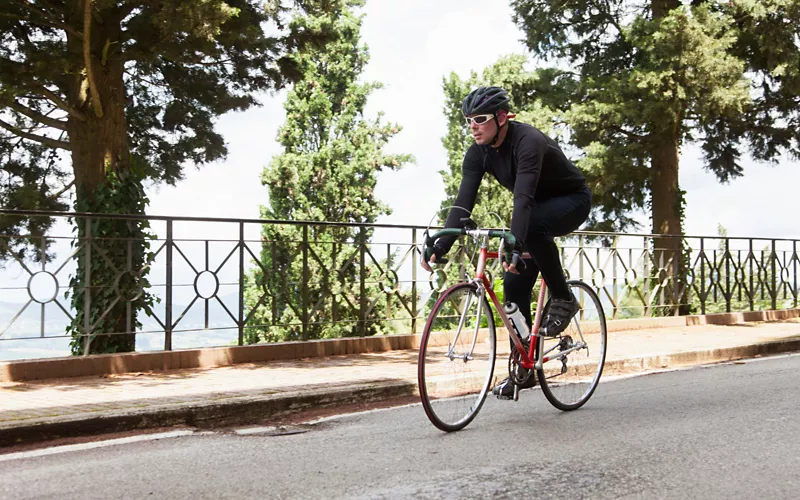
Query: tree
x=650, y=76
x=129, y=89
x=327, y=173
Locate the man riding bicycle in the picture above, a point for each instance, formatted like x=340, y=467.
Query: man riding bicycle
x=551, y=199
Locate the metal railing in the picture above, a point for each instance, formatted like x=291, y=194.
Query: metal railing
x=238, y=281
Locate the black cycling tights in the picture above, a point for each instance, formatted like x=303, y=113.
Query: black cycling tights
x=554, y=217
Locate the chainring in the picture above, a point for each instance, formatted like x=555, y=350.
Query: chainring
x=516, y=372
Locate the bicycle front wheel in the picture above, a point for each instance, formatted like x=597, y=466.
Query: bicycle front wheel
x=575, y=358
x=456, y=357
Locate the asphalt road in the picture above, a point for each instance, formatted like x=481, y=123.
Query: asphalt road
x=721, y=431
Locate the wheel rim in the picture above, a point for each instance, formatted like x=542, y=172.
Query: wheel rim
x=454, y=377
x=571, y=388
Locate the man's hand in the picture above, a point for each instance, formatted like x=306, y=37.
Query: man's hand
x=516, y=265
x=510, y=268
x=435, y=253
x=427, y=266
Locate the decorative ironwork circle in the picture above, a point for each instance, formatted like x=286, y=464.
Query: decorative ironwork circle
x=785, y=275
x=663, y=277
x=197, y=284
x=389, y=281
x=132, y=289
x=45, y=296
x=630, y=277
x=740, y=275
x=690, y=277
x=438, y=280
x=599, y=278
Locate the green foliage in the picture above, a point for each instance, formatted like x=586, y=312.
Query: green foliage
x=133, y=95
x=327, y=172
x=185, y=63
x=654, y=75
x=26, y=183
x=118, y=267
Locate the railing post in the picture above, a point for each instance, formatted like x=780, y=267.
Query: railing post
x=129, y=328
x=794, y=272
x=677, y=266
x=702, y=276
x=362, y=299
x=43, y=258
x=241, y=283
x=614, y=293
x=715, y=275
x=774, y=293
x=727, y=258
x=274, y=293
x=389, y=265
x=168, y=306
x=304, y=289
x=581, y=254
x=87, y=287
x=648, y=301
x=751, y=292
x=414, y=311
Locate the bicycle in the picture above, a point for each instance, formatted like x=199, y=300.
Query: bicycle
x=458, y=346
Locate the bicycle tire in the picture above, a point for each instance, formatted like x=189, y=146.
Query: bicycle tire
x=571, y=386
x=452, y=387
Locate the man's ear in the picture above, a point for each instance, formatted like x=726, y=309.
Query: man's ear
x=502, y=117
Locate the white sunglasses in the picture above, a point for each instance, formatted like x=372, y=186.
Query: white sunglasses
x=478, y=119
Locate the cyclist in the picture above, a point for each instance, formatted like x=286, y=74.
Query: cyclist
x=551, y=198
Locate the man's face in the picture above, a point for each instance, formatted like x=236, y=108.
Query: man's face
x=483, y=132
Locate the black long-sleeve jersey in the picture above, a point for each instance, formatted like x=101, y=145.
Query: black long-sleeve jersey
x=528, y=163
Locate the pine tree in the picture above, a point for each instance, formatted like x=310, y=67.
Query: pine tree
x=650, y=76
x=326, y=173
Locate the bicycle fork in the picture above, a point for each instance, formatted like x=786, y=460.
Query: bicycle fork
x=451, y=348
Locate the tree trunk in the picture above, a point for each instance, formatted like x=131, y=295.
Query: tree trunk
x=99, y=143
x=666, y=207
x=662, y=7
x=670, y=268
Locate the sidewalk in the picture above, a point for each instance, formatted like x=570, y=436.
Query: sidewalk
x=254, y=392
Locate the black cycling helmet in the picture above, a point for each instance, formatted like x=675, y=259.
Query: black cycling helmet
x=485, y=100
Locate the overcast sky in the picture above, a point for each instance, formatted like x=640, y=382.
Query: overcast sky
x=413, y=45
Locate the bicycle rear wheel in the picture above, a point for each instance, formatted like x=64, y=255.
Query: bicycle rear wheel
x=456, y=357
x=569, y=380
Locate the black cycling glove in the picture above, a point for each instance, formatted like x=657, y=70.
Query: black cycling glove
x=434, y=250
x=515, y=258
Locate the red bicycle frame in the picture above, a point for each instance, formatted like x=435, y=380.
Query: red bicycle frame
x=527, y=359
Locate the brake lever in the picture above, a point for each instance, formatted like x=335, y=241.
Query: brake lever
x=469, y=224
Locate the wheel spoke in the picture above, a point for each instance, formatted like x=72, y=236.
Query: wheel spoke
x=457, y=356
x=573, y=371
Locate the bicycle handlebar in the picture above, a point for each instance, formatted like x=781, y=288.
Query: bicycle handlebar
x=509, y=241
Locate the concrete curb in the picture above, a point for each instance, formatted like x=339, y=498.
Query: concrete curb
x=233, y=411
x=701, y=357
x=108, y=364
x=248, y=410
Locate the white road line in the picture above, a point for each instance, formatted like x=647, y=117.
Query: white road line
x=97, y=444
x=358, y=413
